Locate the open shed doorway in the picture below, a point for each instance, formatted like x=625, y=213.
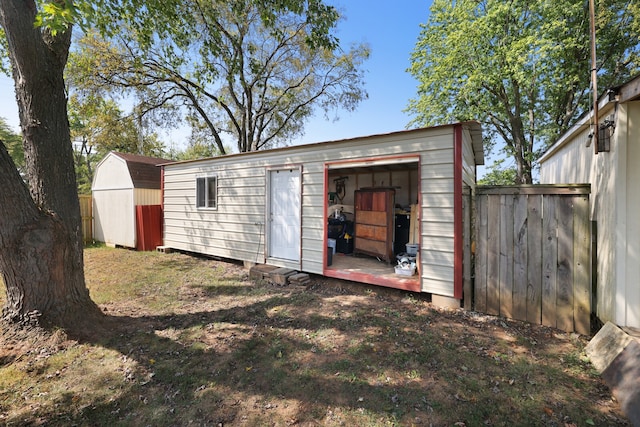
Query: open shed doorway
x=371, y=207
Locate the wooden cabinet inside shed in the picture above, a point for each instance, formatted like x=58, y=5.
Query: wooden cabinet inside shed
x=374, y=222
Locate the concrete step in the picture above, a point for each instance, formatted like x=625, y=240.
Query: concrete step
x=616, y=355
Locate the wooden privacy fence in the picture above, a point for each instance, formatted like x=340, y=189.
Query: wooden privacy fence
x=86, y=210
x=533, y=254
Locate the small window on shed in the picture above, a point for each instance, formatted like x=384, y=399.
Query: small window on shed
x=207, y=192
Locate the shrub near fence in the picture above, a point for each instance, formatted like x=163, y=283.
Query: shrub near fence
x=86, y=210
x=533, y=254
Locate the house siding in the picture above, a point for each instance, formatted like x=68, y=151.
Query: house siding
x=615, y=204
x=555, y=168
x=628, y=309
x=237, y=228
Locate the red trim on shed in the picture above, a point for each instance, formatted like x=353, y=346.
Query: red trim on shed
x=411, y=284
x=457, y=212
x=162, y=204
x=325, y=229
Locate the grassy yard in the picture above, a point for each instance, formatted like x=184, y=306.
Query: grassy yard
x=192, y=341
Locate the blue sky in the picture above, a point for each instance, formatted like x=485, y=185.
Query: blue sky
x=390, y=28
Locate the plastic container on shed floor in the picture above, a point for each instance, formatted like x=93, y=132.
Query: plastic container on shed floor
x=405, y=271
x=332, y=244
x=412, y=249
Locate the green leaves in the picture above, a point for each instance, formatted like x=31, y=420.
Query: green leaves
x=4, y=54
x=246, y=69
x=253, y=69
x=520, y=67
x=57, y=16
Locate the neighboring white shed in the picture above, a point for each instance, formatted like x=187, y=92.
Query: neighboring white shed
x=276, y=206
x=120, y=183
x=614, y=175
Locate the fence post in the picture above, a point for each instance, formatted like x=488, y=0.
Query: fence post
x=86, y=212
x=581, y=265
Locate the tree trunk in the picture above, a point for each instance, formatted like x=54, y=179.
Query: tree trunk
x=41, y=252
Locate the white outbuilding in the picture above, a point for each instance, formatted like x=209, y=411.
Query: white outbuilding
x=612, y=167
x=344, y=209
x=121, y=183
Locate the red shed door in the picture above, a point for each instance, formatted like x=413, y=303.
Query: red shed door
x=148, y=227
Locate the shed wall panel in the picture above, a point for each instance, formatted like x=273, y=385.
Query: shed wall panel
x=146, y=196
x=468, y=160
x=114, y=217
x=443, y=216
x=111, y=173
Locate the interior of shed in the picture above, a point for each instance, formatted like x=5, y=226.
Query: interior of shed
x=372, y=225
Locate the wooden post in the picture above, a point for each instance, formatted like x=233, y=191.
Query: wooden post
x=564, y=299
x=480, y=293
x=581, y=266
x=506, y=256
x=493, y=254
x=549, y=261
x=520, y=259
x=534, y=250
x=413, y=225
x=467, y=288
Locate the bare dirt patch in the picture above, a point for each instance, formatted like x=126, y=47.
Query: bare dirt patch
x=191, y=341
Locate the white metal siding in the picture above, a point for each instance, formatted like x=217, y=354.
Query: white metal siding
x=571, y=164
x=468, y=160
x=111, y=173
x=236, y=228
x=113, y=201
x=437, y=225
x=628, y=306
x=615, y=203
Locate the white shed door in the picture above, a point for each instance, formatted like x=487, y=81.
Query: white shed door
x=284, y=218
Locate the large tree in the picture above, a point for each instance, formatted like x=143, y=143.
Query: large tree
x=520, y=67
x=245, y=80
x=41, y=258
